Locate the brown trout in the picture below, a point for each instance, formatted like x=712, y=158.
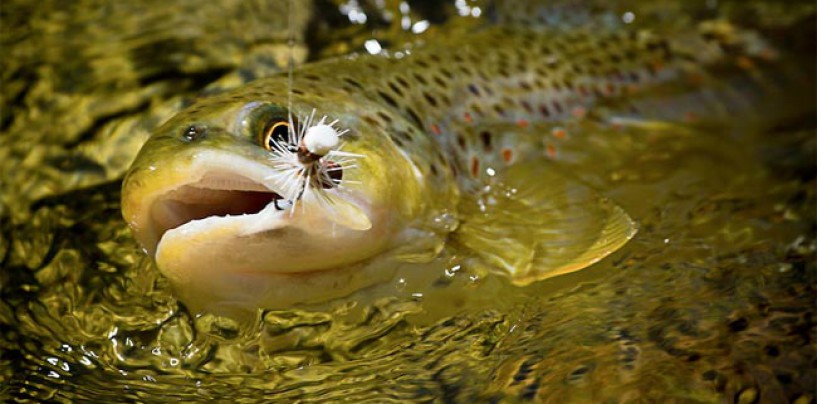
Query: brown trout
x=302, y=189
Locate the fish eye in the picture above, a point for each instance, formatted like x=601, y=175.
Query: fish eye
x=276, y=132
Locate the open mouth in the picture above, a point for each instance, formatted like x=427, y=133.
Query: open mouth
x=214, y=195
x=218, y=197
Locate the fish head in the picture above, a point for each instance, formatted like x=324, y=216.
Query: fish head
x=226, y=190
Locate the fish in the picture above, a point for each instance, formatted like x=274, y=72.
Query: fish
x=308, y=186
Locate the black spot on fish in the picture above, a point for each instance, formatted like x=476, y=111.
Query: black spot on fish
x=485, y=137
x=395, y=88
x=416, y=118
x=387, y=98
x=431, y=100
x=384, y=117
x=372, y=121
x=352, y=82
x=397, y=141
x=402, y=81
x=461, y=141
x=473, y=89
x=420, y=79
x=499, y=109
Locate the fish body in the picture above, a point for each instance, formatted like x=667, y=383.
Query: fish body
x=429, y=134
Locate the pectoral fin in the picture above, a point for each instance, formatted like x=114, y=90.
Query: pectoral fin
x=534, y=222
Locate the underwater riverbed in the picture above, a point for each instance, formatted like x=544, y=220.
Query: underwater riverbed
x=712, y=301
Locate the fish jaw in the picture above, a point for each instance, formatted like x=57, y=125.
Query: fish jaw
x=213, y=211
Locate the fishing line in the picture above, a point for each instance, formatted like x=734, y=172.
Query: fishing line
x=291, y=58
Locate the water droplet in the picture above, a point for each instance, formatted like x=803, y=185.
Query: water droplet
x=628, y=17
x=372, y=46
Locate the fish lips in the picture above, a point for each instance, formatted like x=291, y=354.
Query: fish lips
x=217, y=211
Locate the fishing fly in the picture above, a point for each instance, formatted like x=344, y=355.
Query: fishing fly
x=310, y=161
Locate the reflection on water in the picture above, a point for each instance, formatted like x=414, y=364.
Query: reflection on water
x=712, y=301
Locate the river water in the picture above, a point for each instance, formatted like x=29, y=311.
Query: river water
x=712, y=301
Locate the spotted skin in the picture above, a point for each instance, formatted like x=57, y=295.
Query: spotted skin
x=503, y=95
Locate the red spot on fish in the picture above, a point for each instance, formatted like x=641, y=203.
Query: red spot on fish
x=435, y=129
x=610, y=89
x=657, y=66
x=579, y=112
x=522, y=123
x=691, y=117
x=507, y=155
x=474, y=166
x=559, y=133
x=551, y=150
x=467, y=117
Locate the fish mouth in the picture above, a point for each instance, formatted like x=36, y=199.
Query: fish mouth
x=216, y=194
x=215, y=190
x=218, y=212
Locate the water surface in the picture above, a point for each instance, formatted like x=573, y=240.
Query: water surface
x=713, y=301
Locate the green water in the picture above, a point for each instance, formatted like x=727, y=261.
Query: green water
x=713, y=301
